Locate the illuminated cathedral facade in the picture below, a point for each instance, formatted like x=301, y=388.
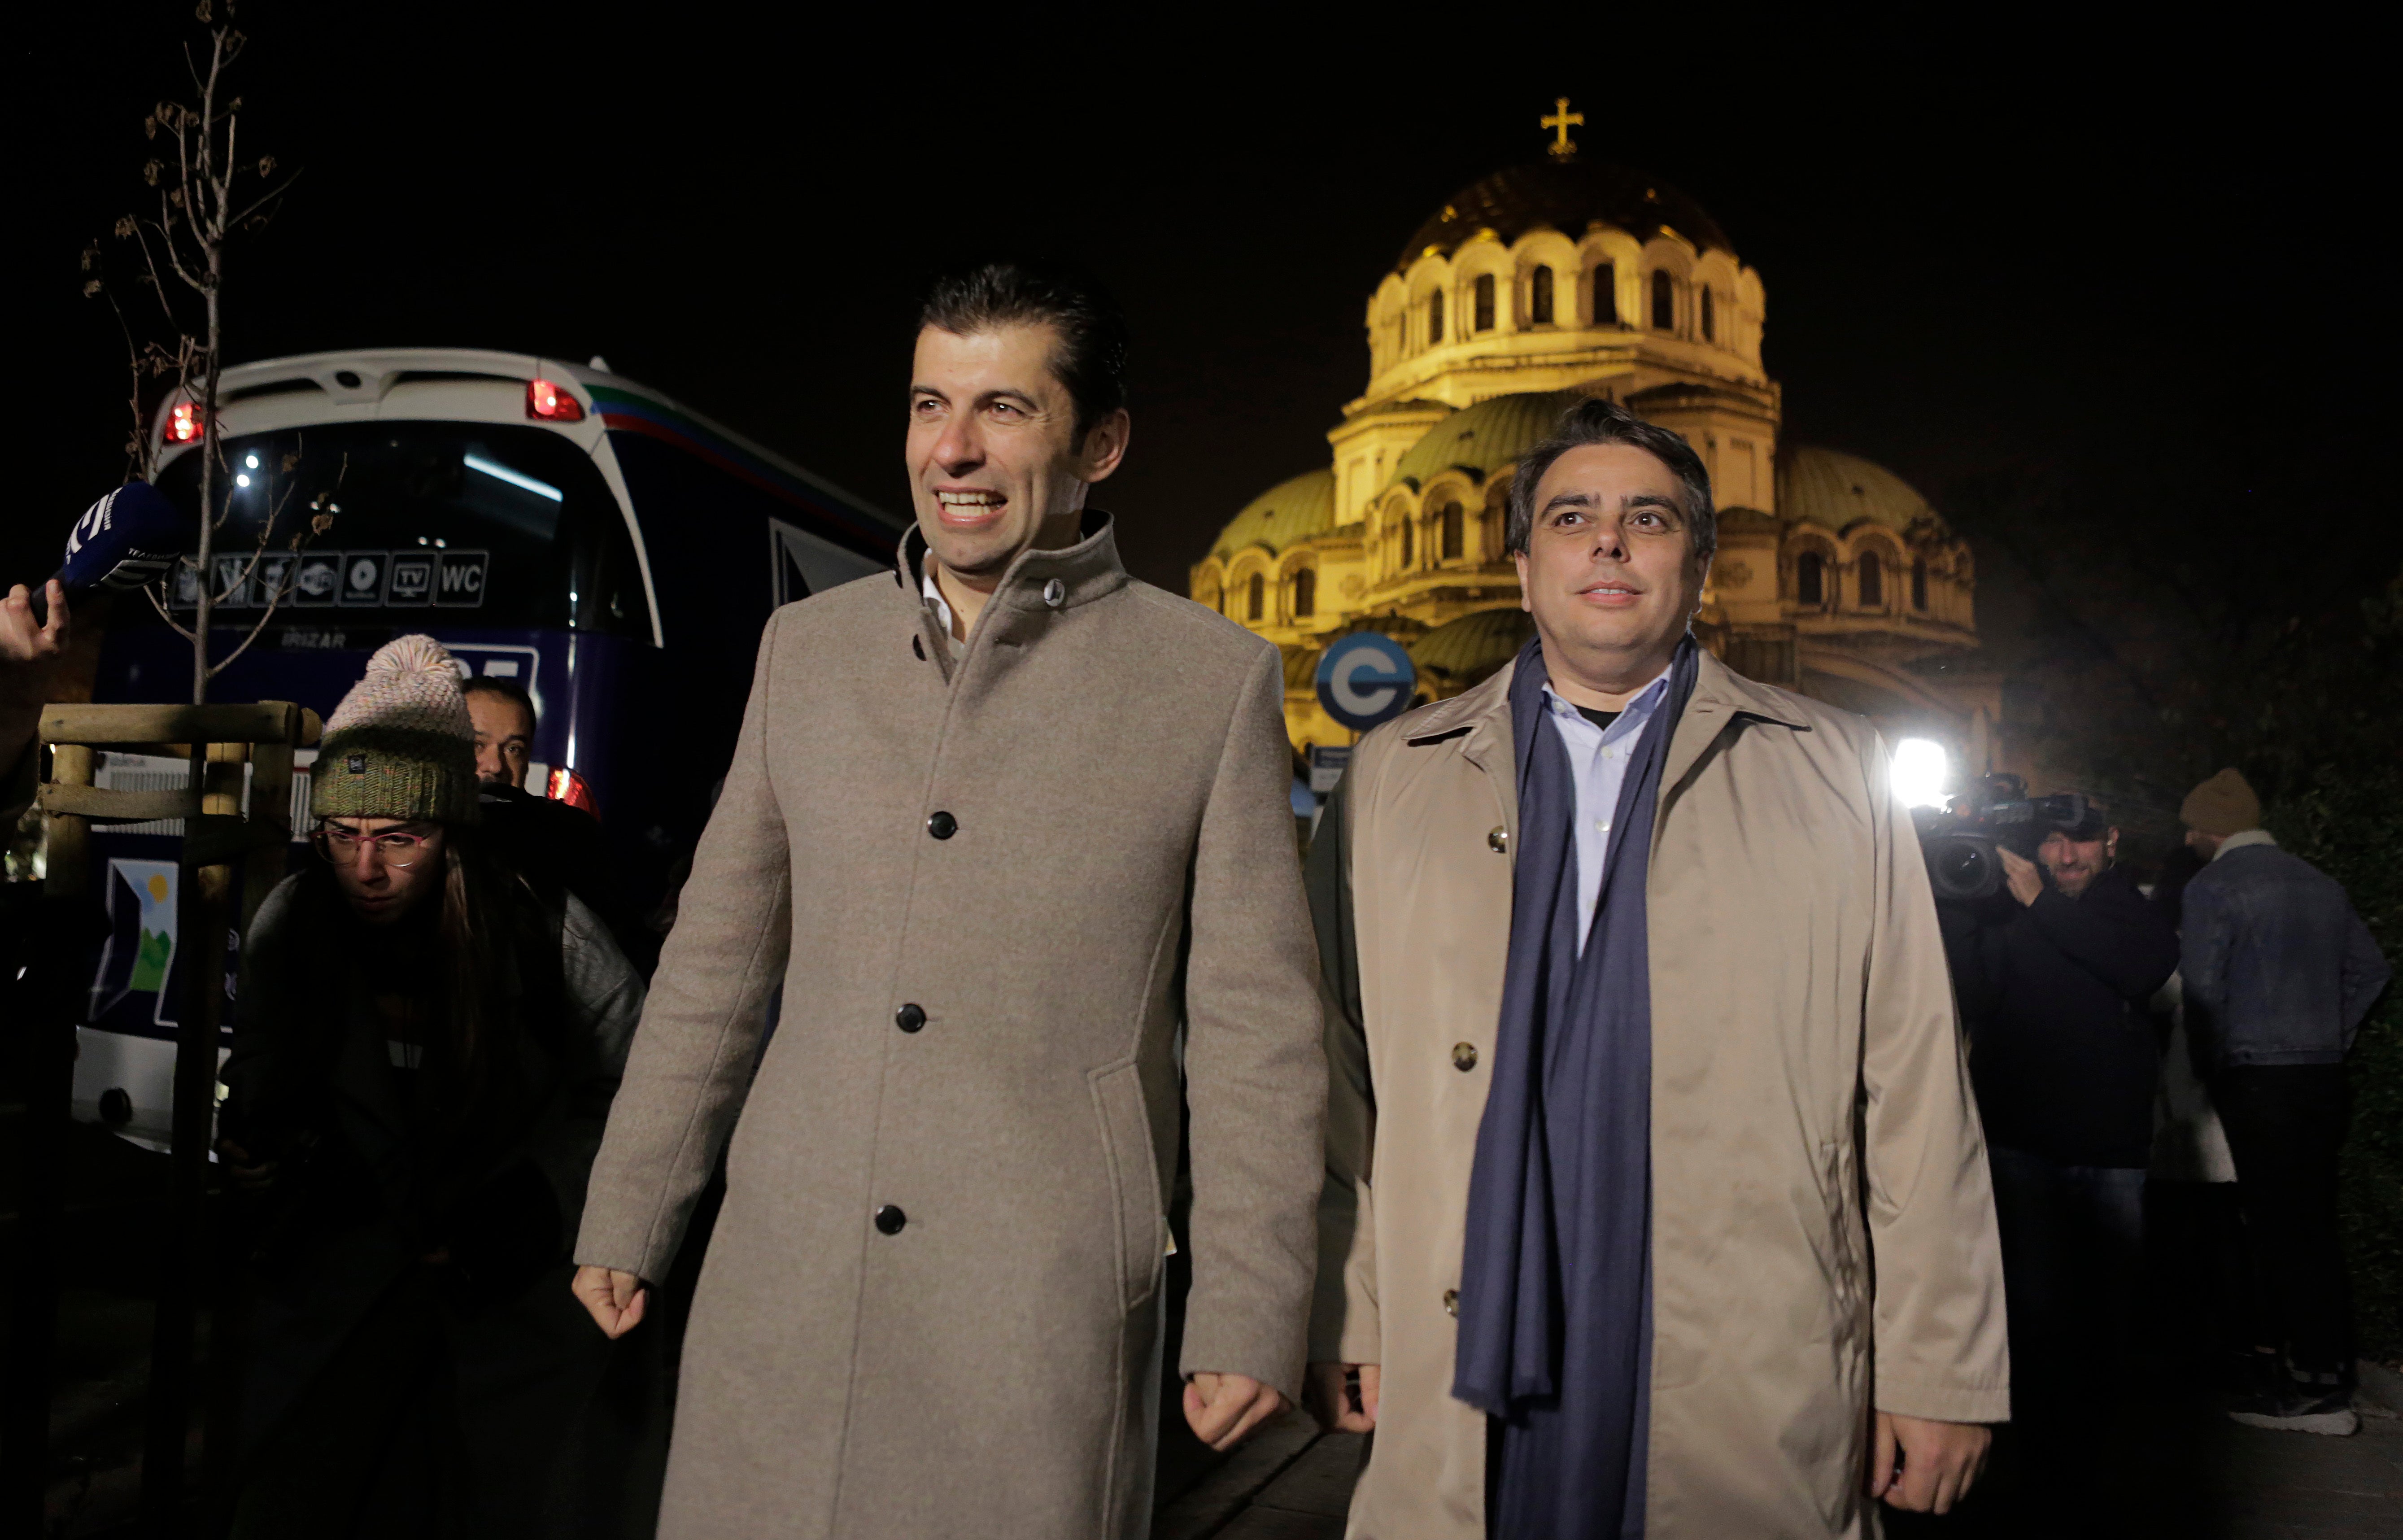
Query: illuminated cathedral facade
x=1538, y=285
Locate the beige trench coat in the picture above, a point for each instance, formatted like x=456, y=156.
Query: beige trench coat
x=1823, y=1232
x=999, y=894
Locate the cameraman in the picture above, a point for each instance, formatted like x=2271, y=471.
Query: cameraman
x=2053, y=973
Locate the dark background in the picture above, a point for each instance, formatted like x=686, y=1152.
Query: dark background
x=1974, y=248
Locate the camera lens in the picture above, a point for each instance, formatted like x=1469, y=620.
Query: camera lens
x=1961, y=868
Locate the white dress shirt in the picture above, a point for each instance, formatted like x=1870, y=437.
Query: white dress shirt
x=1598, y=760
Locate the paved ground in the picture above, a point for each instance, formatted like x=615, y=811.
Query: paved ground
x=2184, y=1470
x=2177, y=1468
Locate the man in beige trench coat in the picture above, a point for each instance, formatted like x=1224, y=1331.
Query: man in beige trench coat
x=1813, y=1242
x=1013, y=832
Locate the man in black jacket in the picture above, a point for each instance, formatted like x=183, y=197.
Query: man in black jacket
x=2053, y=974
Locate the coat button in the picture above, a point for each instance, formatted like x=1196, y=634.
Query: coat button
x=1055, y=593
x=942, y=825
x=1451, y=1303
x=889, y=1219
x=1498, y=842
x=909, y=1018
x=1464, y=1056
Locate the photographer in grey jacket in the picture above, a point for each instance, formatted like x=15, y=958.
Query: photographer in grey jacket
x=2279, y=972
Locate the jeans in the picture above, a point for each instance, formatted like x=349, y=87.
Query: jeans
x=2072, y=1257
x=2286, y=1124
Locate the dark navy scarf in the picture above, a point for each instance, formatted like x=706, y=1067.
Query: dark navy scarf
x=1556, y=1284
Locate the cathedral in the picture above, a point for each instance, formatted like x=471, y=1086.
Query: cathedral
x=1538, y=285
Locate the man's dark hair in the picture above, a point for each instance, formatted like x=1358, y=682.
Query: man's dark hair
x=1595, y=420
x=507, y=689
x=1091, y=357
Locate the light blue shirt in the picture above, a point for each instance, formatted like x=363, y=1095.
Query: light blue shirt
x=1598, y=761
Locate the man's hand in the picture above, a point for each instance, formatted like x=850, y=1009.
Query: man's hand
x=1935, y=1466
x=2024, y=877
x=1343, y=1396
x=24, y=642
x=1223, y=1408
x=617, y=1299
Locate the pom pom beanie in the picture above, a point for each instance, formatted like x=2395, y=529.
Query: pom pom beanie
x=400, y=745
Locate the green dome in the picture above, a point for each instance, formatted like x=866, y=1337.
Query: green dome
x=1839, y=491
x=1486, y=438
x=1286, y=512
x=1466, y=652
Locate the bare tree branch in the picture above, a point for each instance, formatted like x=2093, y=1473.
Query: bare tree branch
x=150, y=591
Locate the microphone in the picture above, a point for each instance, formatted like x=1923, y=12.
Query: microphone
x=129, y=538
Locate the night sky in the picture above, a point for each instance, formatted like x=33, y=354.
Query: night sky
x=2077, y=240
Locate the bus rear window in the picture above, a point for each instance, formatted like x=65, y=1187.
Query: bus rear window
x=485, y=525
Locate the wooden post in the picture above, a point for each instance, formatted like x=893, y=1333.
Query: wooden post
x=219, y=741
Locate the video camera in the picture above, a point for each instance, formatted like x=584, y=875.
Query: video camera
x=1961, y=841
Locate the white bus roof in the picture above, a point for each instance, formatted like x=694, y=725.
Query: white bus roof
x=480, y=385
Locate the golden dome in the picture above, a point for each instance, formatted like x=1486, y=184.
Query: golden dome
x=1567, y=196
x=1839, y=491
x=1466, y=652
x=1486, y=438
x=1286, y=512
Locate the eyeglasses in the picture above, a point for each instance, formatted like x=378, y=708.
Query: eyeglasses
x=340, y=844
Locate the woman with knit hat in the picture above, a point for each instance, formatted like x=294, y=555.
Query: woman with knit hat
x=425, y=1052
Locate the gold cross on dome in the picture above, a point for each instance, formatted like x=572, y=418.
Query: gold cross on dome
x=1562, y=147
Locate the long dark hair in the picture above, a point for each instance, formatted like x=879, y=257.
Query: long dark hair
x=471, y=924
x=474, y=916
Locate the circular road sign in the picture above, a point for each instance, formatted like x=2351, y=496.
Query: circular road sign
x=1365, y=679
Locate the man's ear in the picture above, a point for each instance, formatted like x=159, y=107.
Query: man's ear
x=1524, y=603
x=1105, y=445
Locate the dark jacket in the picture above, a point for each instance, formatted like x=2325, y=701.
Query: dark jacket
x=2277, y=968
x=2061, y=1053
x=384, y=1167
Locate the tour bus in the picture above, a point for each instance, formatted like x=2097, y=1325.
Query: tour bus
x=554, y=524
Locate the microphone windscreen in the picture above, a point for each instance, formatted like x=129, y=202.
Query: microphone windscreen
x=127, y=539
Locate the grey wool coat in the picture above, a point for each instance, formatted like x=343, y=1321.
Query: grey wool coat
x=1008, y=896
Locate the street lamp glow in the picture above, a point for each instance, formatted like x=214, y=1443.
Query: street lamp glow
x=1922, y=771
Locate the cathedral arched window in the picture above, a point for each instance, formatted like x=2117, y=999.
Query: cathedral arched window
x=1435, y=317
x=1869, y=582
x=1810, y=579
x=1605, y=294
x=1256, y=600
x=1484, y=291
x=1454, y=523
x=1410, y=556
x=1919, y=584
x=1710, y=316
x=1664, y=300
x=1305, y=593
x=1539, y=297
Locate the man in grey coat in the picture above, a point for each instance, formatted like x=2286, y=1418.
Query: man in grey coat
x=1011, y=831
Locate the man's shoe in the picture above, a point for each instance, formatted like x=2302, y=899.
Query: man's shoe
x=2299, y=1411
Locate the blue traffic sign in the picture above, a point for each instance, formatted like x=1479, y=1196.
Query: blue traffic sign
x=1365, y=679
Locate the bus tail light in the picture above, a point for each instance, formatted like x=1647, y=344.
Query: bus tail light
x=572, y=789
x=547, y=403
x=183, y=424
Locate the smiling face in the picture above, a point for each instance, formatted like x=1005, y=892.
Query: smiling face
x=1609, y=572
x=996, y=464
x=2075, y=863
